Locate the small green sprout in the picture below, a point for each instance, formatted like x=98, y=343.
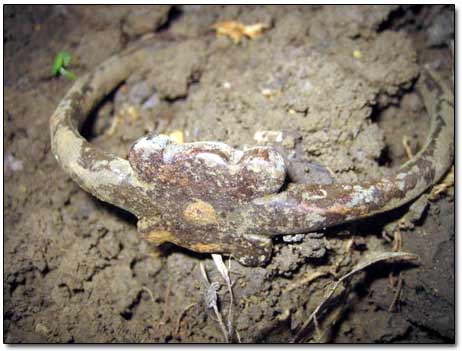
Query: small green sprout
x=61, y=61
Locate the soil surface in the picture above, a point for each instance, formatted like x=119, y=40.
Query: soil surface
x=339, y=79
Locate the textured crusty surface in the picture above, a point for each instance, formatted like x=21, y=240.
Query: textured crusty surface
x=208, y=197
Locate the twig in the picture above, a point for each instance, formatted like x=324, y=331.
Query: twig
x=359, y=267
x=446, y=183
x=397, y=293
x=407, y=147
x=211, y=300
x=231, y=303
x=151, y=295
x=305, y=280
x=224, y=271
x=316, y=326
x=397, y=245
x=238, y=337
x=182, y=314
x=398, y=240
x=165, y=317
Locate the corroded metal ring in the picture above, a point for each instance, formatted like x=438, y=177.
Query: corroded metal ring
x=209, y=197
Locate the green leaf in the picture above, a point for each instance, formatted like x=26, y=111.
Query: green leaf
x=57, y=64
x=67, y=74
x=62, y=59
x=66, y=58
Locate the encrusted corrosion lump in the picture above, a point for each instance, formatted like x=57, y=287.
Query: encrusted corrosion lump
x=209, y=197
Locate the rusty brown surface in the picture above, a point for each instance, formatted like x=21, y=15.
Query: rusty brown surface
x=209, y=197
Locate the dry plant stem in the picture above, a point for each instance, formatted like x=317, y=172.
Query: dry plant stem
x=398, y=240
x=238, y=336
x=231, y=305
x=218, y=260
x=220, y=322
x=359, y=267
x=407, y=147
x=182, y=314
x=151, y=296
x=170, y=200
x=333, y=318
x=397, y=246
x=305, y=280
x=397, y=292
x=446, y=183
x=211, y=299
x=166, y=312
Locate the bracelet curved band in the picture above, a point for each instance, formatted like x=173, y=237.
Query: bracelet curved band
x=209, y=197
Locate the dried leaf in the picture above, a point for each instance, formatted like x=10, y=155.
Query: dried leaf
x=236, y=30
x=447, y=182
x=254, y=30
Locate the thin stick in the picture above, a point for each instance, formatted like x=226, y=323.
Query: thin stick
x=224, y=271
x=211, y=299
x=397, y=293
x=359, y=267
x=407, y=147
x=220, y=322
x=308, y=278
x=182, y=314
x=151, y=295
x=165, y=317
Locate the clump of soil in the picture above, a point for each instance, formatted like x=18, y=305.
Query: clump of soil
x=340, y=78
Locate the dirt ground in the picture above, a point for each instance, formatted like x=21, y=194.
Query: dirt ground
x=340, y=77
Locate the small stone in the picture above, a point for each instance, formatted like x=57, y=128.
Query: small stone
x=151, y=102
x=357, y=54
x=13, y=164
x=295, y=238
x=267, y=93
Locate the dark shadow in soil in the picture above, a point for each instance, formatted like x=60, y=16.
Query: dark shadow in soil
x=168, y=248
x=400, y=17
x=376, y=224
x=87, y=129
x=368, y=226
x=115, y=211
x=174, y=14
